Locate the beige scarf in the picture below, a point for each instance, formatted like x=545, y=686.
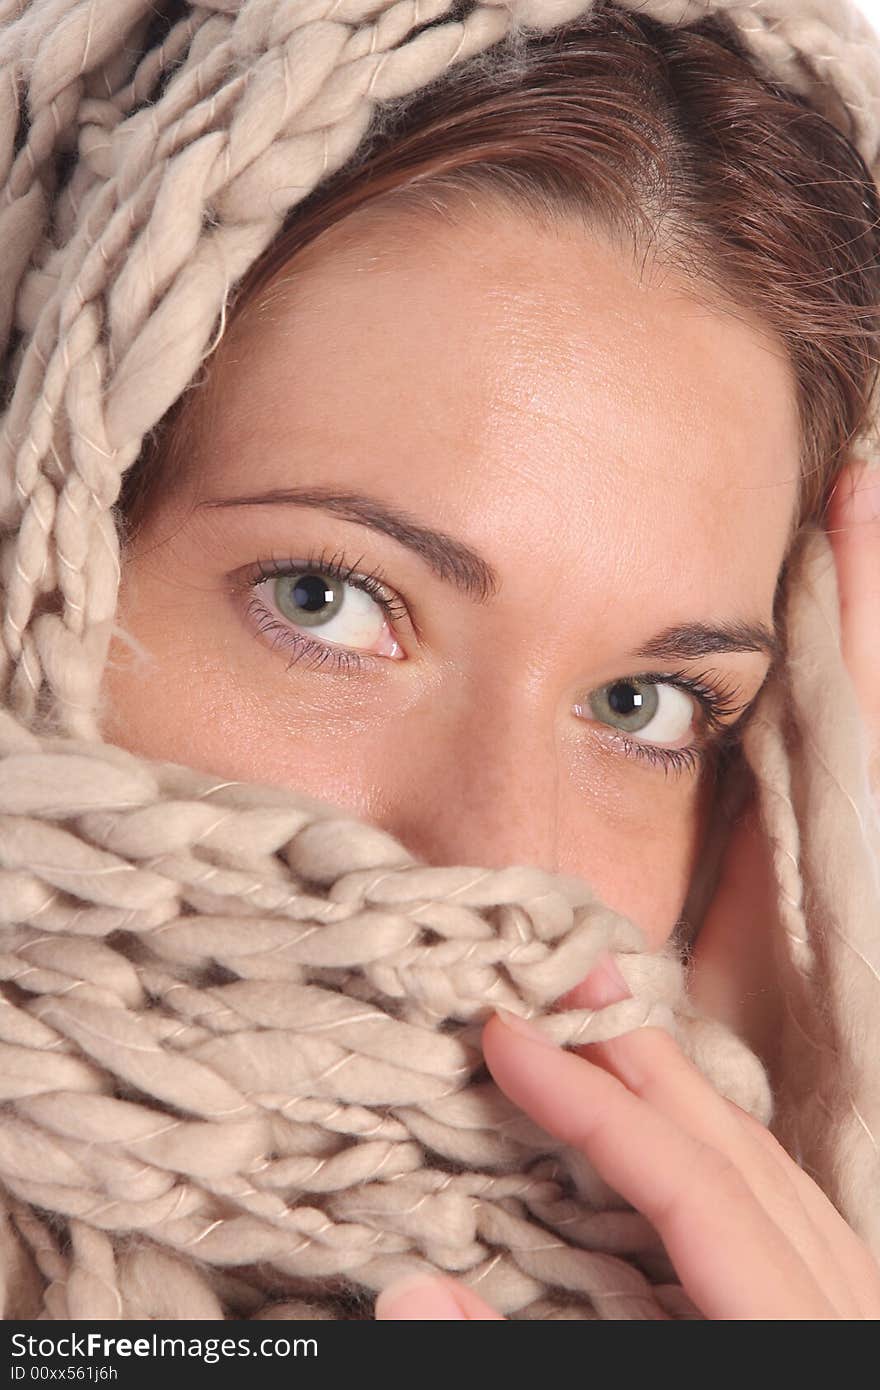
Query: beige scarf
x=239, y=1029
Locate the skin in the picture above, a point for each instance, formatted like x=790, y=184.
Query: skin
x=751, y=1236
x=501, y=382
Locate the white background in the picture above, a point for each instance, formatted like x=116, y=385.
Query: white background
x=872, y=9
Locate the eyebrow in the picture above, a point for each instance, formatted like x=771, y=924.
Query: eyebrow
x=455, y=562
x=685, y=641
x=451, y=560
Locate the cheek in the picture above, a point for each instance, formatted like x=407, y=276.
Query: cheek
x=633, y=835
x=639, y=848
x=193, y=701
x=179, y=713
x=169, y=694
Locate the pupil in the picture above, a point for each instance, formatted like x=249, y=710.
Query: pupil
x=626, y=704
x=311, y=593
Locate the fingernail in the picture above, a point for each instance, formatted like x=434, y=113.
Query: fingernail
x=605, y=985
x=525, y=1027
x=418, y=1295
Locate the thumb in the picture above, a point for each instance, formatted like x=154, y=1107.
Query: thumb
x=431, y=1297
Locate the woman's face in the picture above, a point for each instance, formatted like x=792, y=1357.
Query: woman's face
x=563, y=478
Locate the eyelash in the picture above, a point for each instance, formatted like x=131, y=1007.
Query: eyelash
x=716, y=699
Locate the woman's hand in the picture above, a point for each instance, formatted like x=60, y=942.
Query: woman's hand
x=750, y=1235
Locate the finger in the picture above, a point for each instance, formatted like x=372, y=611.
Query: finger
x=652, y=1065
x=604, y=985
x=731, y=1257
x=853, y=528
x=674, y=1085
x=860, y=1270
x=824, y=1239
x=432, y=1298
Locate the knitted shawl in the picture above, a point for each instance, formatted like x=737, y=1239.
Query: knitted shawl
x=239, y=1028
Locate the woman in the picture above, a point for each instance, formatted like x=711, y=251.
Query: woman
x=604, y=299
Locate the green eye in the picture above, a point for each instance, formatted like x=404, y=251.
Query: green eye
x=309, y=599
x=627, y=704
x=654, y=708
x=336, y=609
x=330, y=600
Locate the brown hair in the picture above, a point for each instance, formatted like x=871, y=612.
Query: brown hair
x=666, y=137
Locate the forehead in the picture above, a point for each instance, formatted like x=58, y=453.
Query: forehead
x=490, y=365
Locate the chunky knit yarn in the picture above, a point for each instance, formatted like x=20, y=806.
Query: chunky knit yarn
x=239, y=1029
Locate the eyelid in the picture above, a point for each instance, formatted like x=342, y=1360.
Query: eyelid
x=716, y=699
x=371, y=582
x=711, y=694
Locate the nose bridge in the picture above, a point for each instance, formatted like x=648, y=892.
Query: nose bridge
x=482, y=783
